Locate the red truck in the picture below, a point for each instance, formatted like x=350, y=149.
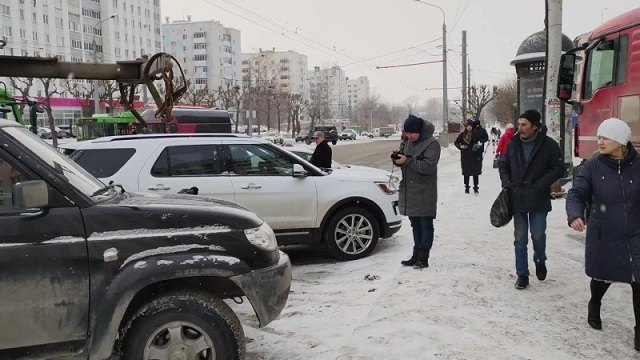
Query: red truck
x=601, y=79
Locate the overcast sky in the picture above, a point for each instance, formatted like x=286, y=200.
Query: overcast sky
x=360, y=35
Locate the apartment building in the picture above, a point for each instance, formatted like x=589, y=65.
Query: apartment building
x=210, y=54
x=282, y=70
x=78, y=31
x=357, y=91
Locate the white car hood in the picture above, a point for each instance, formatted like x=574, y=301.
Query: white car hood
x=360, y=173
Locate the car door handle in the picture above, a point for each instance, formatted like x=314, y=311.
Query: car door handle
x=159, y=187
x=251, y=186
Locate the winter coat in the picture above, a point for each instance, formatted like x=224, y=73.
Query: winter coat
x=613, y=233
x=470, y=159
x=504, y=140
x=482, y=136
x=418, y=195
x=322, y=155
x=530, y=182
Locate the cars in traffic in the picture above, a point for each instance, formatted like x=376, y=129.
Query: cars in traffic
x=366, y=134
x=274, y=137
x=348, y=134
x=330, y=134
x=90, y=270
x=348, y=212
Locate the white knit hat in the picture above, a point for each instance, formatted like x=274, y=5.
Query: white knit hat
x=616, y=130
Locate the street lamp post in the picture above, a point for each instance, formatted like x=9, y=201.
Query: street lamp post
x=96, y=100
x=445, y=102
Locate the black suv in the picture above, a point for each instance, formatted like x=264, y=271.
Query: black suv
x=89, y=271
x=330, y=134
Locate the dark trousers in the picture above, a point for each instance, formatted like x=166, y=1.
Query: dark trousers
x=422, y=227
x=476, y=181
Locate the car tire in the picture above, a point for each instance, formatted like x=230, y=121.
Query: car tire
x=351, y=233
x=201, y=320
x=334, y=142
x=308, y=142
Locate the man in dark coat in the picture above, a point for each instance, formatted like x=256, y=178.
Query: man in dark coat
x=418, y=195
x=322, y=154
x=531, y=164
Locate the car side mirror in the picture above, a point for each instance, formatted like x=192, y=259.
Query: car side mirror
x=565, y=81
x=30, y=194
x=299, y=171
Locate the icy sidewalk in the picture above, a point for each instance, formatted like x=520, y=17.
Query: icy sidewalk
x=464, y=306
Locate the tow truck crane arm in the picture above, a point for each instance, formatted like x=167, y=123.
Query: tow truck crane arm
x=128, y=74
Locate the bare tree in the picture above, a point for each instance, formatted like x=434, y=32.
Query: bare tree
x=82, y=92
x=23, y=85
x=195, y=96
x=50, y=89
x=504, y=104
x=297, y=106
x=280, y=100
x=479, y=97
x=110, y=88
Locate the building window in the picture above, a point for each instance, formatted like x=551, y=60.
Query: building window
x=201, y=57
x=198, y=35
x=5, y=10
x=200, y=46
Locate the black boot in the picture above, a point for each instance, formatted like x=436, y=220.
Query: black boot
x=475, y=190
x=423, y=259
x=466, y=189
x=413, y=259
x=636, y=339
x=593, y=316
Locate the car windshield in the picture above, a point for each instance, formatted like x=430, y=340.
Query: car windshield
x=59, y=163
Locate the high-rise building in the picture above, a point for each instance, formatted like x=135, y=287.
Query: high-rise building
x=72, y=29
x=208, y=52
x=282, y=70
x=357, y=91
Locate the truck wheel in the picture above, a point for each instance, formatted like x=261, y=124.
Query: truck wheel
x=334, y=142
x=352, y=233
x=185, y=325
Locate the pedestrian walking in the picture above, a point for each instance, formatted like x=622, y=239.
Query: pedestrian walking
x=418, y=195
x=532, y=162
x=606, y=181
x=468, y=142
x=504, y=139
x=321, y=156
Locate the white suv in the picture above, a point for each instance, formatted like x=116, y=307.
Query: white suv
x=347, y=211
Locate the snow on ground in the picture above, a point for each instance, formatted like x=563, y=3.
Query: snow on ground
x=464, y=306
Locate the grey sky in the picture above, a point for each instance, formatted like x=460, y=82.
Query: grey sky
x=360, y=35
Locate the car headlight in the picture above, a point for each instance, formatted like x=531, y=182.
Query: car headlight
x=390, y=187
x=262, y=237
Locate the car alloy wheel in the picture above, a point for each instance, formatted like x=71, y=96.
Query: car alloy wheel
x=178, y=340
x=352, y=233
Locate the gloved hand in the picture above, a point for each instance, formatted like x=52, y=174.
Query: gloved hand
x=476, y=146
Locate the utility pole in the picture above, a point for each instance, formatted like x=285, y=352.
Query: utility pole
x=464, y=75
x=96, y=98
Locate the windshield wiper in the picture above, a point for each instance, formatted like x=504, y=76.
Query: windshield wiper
x=108, y=188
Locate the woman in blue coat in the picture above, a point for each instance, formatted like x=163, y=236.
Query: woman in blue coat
x=610, y=181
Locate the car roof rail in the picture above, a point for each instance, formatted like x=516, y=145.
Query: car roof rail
x=169, y=136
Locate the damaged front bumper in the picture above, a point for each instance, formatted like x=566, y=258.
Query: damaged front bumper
x=267, y=289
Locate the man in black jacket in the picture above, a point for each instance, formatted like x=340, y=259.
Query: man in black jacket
x=322, y=154
x=531, y=164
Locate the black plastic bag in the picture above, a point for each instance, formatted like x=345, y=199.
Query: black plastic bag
x=496, y=162
x=502, y=209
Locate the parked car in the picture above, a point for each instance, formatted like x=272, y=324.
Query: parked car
x=68, y=130
x=45, y=133
x=348, y=134
x=346, y=211
x=94, y=272
x=274, y=137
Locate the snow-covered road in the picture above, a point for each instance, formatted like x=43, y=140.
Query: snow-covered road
x=464, y=306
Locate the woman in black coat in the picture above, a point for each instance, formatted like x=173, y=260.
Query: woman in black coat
x=610, y=181
x=470, y=144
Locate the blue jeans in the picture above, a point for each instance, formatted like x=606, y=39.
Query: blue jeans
x=422, y=227
x=523, y=222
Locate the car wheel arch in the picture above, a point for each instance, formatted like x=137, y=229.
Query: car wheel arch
x=359, y=202
x=131, y=287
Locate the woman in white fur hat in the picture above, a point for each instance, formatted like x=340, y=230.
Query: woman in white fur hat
x=610, y=181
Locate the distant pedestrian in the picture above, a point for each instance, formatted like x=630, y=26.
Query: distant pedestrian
x=531, y=164
x=470, y=155
x=418, y=195
x=613, y=233
x=321, y=156
x=504, y=139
